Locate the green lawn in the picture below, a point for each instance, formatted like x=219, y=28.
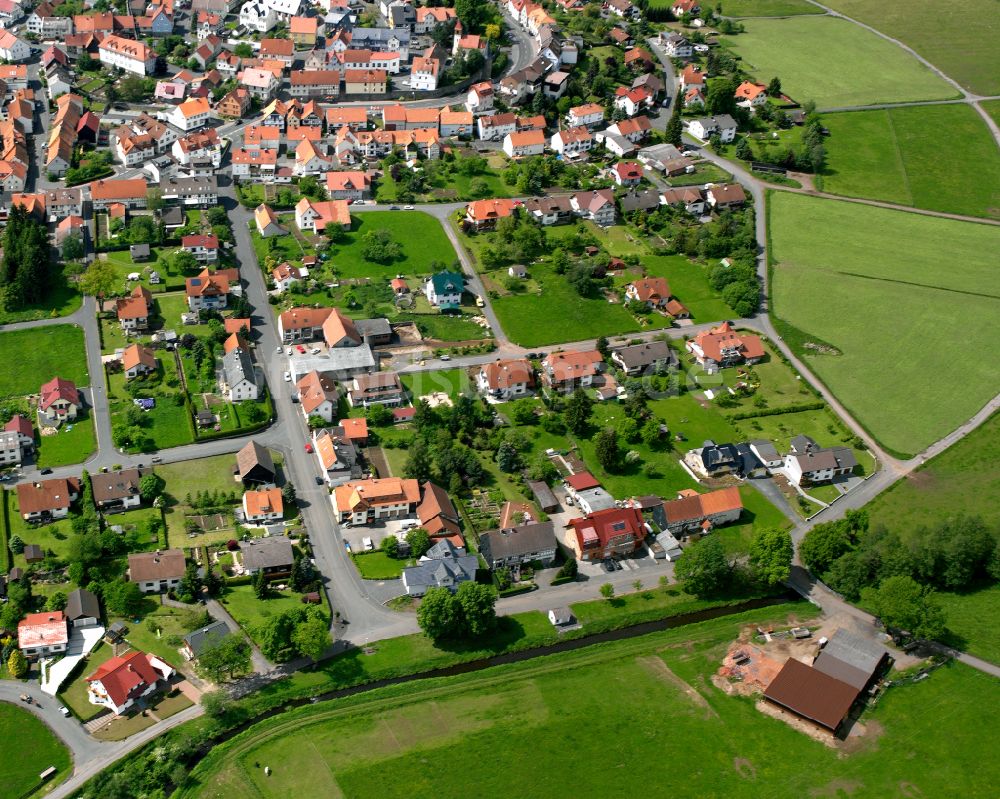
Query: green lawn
x=972, y=625
x=833, y=62
x=704, y=173
x=170, y=622
x=53, y=537
x=62, y=300
x=420, y=235
x=758, y=8
x=74, y=693
x=41, y=354
x=251, y=613
x=881, y=298
x=379, y=566
x=665, y=710
x=73, y=443
x=209, y=475
x=689, y=283
x=962, y=43
x=30, y=748
x=992, y=107
x=452, y=382
x=895, y=155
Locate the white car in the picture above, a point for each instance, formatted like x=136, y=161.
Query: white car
x=408, y=208
x=445, y=357
x=278, y=350
x=315, y=351
x=288, y=377
x=288, y=351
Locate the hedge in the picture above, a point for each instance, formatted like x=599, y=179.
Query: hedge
x=804, y=406
x=569, y=578
x=517, y=589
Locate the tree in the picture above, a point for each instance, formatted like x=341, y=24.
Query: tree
x=243, y=50
x=378, y=246
x=16, y=544
x=743, y=150
x=774, y=87
x=578, y=410
x=288, y=494
x=303, y=575
x=478, y=604
x=603, y=347
x=57, y=601
x=721, y=97
x=903, y=604
x=508, y=458
x=100, y=279
x=189, y=588
x=312, y=636
x=228, y=658
x=771, y=556
x=608, y=591
x=72, y=248
x=823, y=544
x=703, y=569
x=275, y=635
x=215, y=703
x=390, y=546
x=606, y=449
x=17, y=664
x=261, y=588
x=568, y=569
x=675, y=128
x=522, y=412
x=151, y=486
x=419, y=541
x=440, y=614
x=378, y=415
x=123, y=599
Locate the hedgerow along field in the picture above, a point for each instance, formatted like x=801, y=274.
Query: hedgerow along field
x=834, y=62
x=609, y=720
x=961, y=42
x=906, y=303
x=896, y=155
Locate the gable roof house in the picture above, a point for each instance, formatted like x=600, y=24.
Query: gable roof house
x=156, y=572
x=484, y=214
x=208, y=290
x=318, y=396
x=524, y=143
x=314, y=216
x=701, y=513
x=705, y=128
x=637, y=359
x=444, y=566
x=723, y=346
x=565, y=371
x=44, y=500
x=120, y=683
x=203, y=639
x=254, y=465
x=267, y=222
x=725, y=195
x=337, y=454
x=807, y=463
x=41, y=634
x=83, y=609
x=444, y=290
x=653, y=292
x=59, y=400
x=751, y=95
x=718, y=460
x=117, y=490
x=260, y=506
x=380, y=498
x=378, y=388
x=597, y=205
x=514, y=546
x=240, y=380
x=436, y=512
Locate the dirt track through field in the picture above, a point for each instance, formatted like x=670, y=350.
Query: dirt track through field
x=661, y=670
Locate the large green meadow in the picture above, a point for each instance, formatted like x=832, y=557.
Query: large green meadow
x=897, y=155
x=633, y=718
x=907, y=303
x=37, y=748
x=960, y=41
x=834, y=63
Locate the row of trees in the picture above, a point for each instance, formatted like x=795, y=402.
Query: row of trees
x=707, y=570
x=28, y=269
x=468, y=613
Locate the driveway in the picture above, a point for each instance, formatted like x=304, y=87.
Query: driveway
x=81, y=641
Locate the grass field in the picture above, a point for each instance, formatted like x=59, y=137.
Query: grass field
x=629, y=712
x=252, y=613
x=421, y=236
x=379, y=566
x=73, y=443
x=883, y=299
x=759, y=8
x=41, y=354
x=962, y=44
x=452, y=382
x=896, y=155
x=992, y=107
x=30, y=748
x=834, y=63
x=210, y=475
x=62, y=300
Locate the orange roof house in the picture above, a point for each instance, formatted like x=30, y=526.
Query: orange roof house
x=652, y=291
x=376, y=499
x=485, y=213
x=724, y=346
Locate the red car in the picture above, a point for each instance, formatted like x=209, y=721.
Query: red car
x=301, y=349
x=309, y=447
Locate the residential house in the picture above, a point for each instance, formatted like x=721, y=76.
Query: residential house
x=552, y=210
x=688, y=196
x=638, y=58
x=767, y=454
x=807, y=463
x=120, y=683
x=234, y=105
x=59, y=400
x=348, y=185
x=44, y=500
x=204, y=247
x=191, y=114
x=425, y=71
x=254, y=465
x=133, y=313
x=725, y=195
x=653, y=292
x=505, y=380
x=456, y=124
x=10, y=449
x=516, y=546
x=751, y=95
x=20, y=425
x=719, y=460
x=632, y=101
x=261, y=506
x=480, y=97
x=376, y=499
x=587, y=492
x=318, y=83
x=261, y=84
x=597, y=205
x=675, y=45
x=43, y=23
x=209, y=290
x=271, y=555
x=365, y=81
x=680, y=8
x=724, y=346
x=692, y=512
x=318, y=396
x=127, y=54
x=565, y=371
x=129, y=192
x=379, y=388
x=444, y=566
x=137, y=361
x=117, y=490
x=285, y=275
x=338, y=455
x=254, y=162
x=704, y=128
x=650, y=356
x=627, y=173
x=484, y=214
x=496, y=127
x=267, y=222
x=303, y=31
x=588, y=114
x=428, y=19
x=257, y=16
x=572, y=143
x=634, y=129
x=444, y=290
x=239, y=377
x=203, y=145
x=83, y=609
x=203, y=639
x=42, y=634
x=692, y=76
x=12, y=49
x=437, y=515
x=194, y=192
x=610, y=533
x=314, y=216
x=156, y=572
x=524, y=143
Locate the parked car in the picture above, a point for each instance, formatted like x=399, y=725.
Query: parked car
x=315, y=351
x=319, y=480
x=408, y=208
x=301, y=349
x=445, y=357
x=368, y=544
x=309, y=447
x=278, y=350
x=288, y=377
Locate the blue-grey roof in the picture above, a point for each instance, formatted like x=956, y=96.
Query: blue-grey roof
x=237, y=366
x=441, y=572
x=206, y=637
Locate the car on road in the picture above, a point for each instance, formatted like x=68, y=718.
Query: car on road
x=315, y=351
x=65, y=711
x=301, y=349
x=319, y=480
x=289, y=351
x=607, y=565
x=278, y=351
x=393, y=207
x=445, y=357
x=409, y=208
x=45, y=471
x=288, y=377
x=309, y=447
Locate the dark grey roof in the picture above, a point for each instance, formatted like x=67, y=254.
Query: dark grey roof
x=543, y=495
x=139, y=249
x=638, y=356
x=206, y=637
x=361, y=36
x=111, y=486
x=441, y=572
x=82, y=604
x=173, y=215
x=33, y=552
x=267, y=553
x=512, y=542
x=188, y=187
x=373, y=327
x=237, y=366
x=640, y=201
x=765, y=449
x=444, y=549
x=850, y=658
